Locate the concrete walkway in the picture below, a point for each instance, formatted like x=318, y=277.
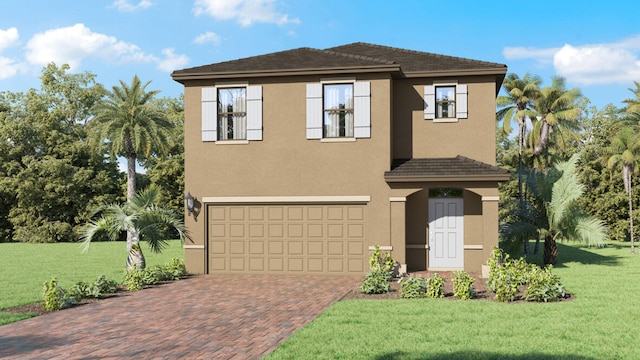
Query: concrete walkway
x=203, y=317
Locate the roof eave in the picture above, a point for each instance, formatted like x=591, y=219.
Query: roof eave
x=181, y=77
x=460, y=72
x=445, y=178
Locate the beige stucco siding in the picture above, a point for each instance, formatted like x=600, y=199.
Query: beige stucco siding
x=415, y=137
x=285, y=163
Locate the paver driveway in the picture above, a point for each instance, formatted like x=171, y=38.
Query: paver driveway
x=207, y=317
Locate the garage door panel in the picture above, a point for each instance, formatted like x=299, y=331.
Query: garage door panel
x=254, y=238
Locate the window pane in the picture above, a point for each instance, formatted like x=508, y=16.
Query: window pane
x=232, y=100
x=445, y=101
x=338, y=110
x=232, y=127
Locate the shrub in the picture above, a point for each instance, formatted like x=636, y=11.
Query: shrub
x=134, y=279
x=413, y=288
x=463, y=285
x=52, y=295
x=79, y=291
x=103, y=286
x=375, y=283
x=379, y=263
x=504, y=276
x=176, y=268
x=435, y=286
x=544, y=286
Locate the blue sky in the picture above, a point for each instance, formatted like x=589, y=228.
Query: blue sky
x=594, y=44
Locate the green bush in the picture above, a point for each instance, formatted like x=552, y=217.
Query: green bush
x=544, y=286
x=103, y=286
x=176, y=268
x=375, y=283
x=463, y=285
x=79, y=291
x=435, y=286
x=384, y=264
x=413, y=288
x=53, y=296
x=134, y=279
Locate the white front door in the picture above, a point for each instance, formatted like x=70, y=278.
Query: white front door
x=446, y=233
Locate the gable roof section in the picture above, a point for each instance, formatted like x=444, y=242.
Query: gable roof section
x=459, y=168
x=351, y=58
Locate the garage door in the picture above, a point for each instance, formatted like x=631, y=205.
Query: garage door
x=323, y=239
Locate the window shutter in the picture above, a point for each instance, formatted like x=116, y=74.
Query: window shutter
x=461, y=101
x=429, y=102
x=362, y=109
x=209, y=114
x=254, y=112
x=314, y=111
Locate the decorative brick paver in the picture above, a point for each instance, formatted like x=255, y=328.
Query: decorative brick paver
x=203, y=317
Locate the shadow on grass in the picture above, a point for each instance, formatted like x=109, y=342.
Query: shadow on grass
x=470, y=354
x=571, y=252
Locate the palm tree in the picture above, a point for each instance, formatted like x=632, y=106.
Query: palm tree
x=552, y=212
x=625, y=151
x=557, y=117
x=518, y=106
x=141, y=218
x=633, y=105
x=129, y=123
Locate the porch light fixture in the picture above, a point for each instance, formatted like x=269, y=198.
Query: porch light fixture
x=189, y=203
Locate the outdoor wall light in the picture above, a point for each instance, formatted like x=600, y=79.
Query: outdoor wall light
x=189, y=203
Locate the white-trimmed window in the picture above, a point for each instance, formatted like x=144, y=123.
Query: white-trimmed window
x=339, y=109
x=445, y=102
x=232, y=112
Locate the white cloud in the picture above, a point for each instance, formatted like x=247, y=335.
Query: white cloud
x=8, y=38
x=172, y=61
x=124, y=6
x=73, y=44
x=617, y=62
x=10, y=68
x=207, y=37
x=245, y=12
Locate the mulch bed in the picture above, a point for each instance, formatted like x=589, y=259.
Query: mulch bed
x=482, y=292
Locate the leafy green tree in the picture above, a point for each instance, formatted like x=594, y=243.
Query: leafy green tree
x=48, y=176
x=129, y=124
x=517, y=106
x=624, y=152
x=551, y=211
x=167, y=171
x=557, y=118
x=141, y=217
x=633, y=104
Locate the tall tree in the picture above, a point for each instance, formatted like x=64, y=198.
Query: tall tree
x=517, y=106
x=141, y=217
x=48, y=176
x=624, y=151
x=633, y=104
x=557, y=115
x=130, y=125
x=553, y=213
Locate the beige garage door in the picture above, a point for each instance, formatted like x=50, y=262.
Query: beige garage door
x=327, y=239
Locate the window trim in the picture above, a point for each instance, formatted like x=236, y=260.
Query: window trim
x=461, y=101
x=254, y=113
x=346, y=111
x=220, y=114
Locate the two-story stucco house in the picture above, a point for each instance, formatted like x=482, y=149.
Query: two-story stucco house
x=302, y=160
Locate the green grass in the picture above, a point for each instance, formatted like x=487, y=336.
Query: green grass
x=601, y=323
x=24, y=267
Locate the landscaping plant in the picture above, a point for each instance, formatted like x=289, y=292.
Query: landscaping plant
x=463, y=285
x=413, y=288
x=380, y=272
x=53, y=295
x=435, y=286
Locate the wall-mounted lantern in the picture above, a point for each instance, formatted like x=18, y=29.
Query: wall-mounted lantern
x=189, y=203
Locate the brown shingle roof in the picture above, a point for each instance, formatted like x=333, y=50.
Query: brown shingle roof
x=459, y=168
x=354, y=57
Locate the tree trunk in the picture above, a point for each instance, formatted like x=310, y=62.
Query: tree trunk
x=520, y=166
x=545, y=132
x=136, y=258
x=550, y=250
x=633, y=251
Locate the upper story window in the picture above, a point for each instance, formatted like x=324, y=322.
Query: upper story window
x=445, y=102
x=338, y=110
x=232, y=113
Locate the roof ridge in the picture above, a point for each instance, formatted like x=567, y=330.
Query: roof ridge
x=361, y=57
x=410, y=51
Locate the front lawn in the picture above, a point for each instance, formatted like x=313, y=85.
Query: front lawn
x=24, y=267
x=600, y=323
